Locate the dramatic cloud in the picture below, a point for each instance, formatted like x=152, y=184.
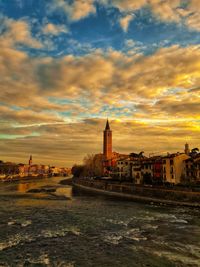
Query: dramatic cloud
x=129, y=5
x=111, y=78
x=17, y=32
x=26, y=116
x=76, y=10
x=147, y=91
x=54, y=29
x=177, y=11
x=124, y=22
x=54, y=102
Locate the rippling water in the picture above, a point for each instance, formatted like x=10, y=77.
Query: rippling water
x=69, y=229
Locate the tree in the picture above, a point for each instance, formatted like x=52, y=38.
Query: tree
x=135, y=155
x=93, y=164
x=194, y=152
x=141, y=154
x=78, y=170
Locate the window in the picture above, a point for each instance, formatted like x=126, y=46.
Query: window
x=171, y=161
x=172, y=176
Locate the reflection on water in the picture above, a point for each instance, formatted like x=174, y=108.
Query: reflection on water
x=49, y=229
x=24, y=187
x=67, y=192
x=44, y=189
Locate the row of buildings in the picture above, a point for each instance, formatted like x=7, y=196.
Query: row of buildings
x=12, y=170
x=176, y=168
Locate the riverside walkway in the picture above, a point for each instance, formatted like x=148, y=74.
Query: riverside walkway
x=141, y=193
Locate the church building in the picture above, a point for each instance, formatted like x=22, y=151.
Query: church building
x=109, y=157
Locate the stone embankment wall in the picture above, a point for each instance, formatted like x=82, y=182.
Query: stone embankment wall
x=151, y=192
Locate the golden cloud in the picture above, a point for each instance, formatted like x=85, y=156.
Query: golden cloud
x=124, y=22
x=53, y=29
x=109, y=77
x=159, y=93
x=76, y=10
x=168, y=10
x=17, y=32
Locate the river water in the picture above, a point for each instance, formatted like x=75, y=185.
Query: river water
x=66, y=228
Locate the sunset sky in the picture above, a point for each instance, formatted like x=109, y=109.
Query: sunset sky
x=65, y=66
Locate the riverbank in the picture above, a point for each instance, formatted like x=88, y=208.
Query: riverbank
x=22, y=178
x=66, y=181
x=140, y=194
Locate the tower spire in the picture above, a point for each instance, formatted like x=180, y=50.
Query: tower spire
x=30, y=160
x=107, y=142
x=107, y=125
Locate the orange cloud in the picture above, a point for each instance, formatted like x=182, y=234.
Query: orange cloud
x=159, y=93
x=77, y=10
x=124, y=22
x=18, y=32
x=168, y=10
x=53, y=29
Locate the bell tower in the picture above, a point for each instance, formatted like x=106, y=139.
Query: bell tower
x=187, y=149
x=107, y=142
x=30, y=160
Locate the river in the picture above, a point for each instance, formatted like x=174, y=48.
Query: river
x=67, y=228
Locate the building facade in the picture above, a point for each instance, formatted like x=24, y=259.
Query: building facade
x=192, y=169
x=173, y=168
x=169, y=169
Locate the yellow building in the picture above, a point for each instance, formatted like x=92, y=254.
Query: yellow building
x=173, y=167
x=124, y=168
